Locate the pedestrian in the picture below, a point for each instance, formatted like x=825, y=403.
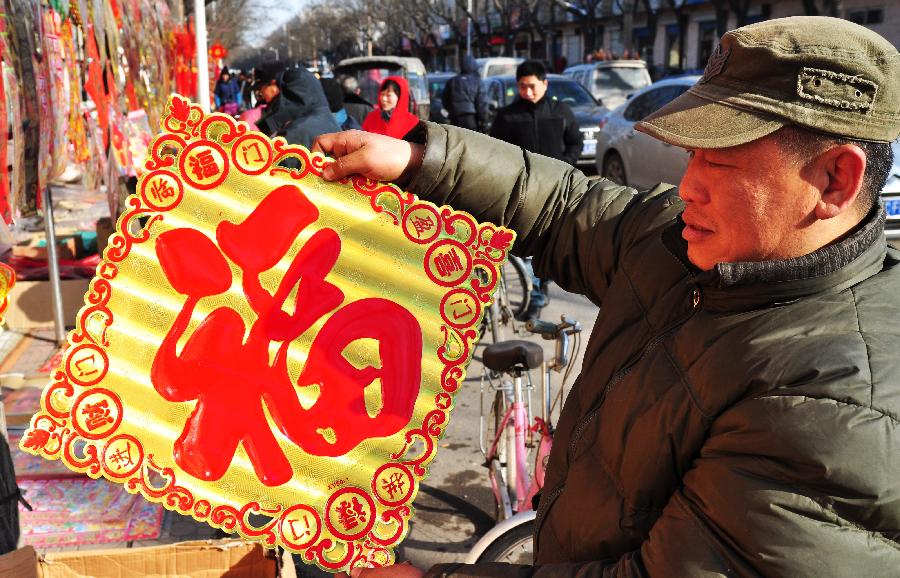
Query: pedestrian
x=227, y=94
x=334, y=94
x=464, y=97
x=737, y=409
x=296, y=106
x=245, y=84
x=392, y=117
x=355, y=105
x=539, y=125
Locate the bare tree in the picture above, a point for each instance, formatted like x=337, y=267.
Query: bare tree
x=681, y=17
x=586, y=13
x=228, y=21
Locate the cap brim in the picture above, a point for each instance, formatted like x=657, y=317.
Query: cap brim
x=691, y=121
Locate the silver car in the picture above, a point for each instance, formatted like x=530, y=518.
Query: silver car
x=633, y=158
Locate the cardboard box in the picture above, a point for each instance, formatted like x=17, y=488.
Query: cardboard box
x=199, y=559
x=31, y=305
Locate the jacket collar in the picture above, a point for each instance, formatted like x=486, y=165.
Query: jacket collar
x=749, y=285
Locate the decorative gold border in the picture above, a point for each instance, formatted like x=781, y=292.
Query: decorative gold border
x=55, y=433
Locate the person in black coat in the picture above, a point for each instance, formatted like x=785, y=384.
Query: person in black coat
x=335, y=95
x=464, y=98
x=297, y=108
x=537, y=124
x=355, y=105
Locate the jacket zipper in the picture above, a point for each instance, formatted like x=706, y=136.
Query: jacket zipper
x=542, y=511
x=619, y=376
x=540, y=516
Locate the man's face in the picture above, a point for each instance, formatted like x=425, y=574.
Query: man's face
x=269, y=92
x=532, y=89
x=746, y=203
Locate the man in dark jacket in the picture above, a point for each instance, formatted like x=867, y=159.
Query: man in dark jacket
x=539, y=125
x=737, y=410
x=297, y=108
x=355, y=105
x=464, y=98
x=335, y=96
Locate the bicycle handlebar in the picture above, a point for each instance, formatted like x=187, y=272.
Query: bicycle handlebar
x=540, y=326
x=549, y=330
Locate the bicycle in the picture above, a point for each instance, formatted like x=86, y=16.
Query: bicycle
x=511, y=435
x=511, y=299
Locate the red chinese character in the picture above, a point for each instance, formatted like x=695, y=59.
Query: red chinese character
x=351, y=514
x=98, y=414
x=468, y=312
x=226, y=368
x=160, y=191
x=255, y=147
x=122, y=457
x=203, y=165
x=394, y=484
x=422, y=224
x=448, y=262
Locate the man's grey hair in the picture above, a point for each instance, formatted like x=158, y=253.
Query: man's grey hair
x=349, y=84
x=804, y=144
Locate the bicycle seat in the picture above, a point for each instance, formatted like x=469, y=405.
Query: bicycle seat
x=506, y=355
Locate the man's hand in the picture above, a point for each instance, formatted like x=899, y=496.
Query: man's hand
x=404, y=570
x=374, y=156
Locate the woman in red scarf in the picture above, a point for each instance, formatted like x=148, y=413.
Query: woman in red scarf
x=392, y=117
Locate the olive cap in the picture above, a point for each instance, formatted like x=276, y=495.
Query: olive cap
x=824, y=74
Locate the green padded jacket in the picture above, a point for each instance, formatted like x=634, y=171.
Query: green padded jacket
x=741, y=421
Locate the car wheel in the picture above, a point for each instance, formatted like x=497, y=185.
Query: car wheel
x=614, y=168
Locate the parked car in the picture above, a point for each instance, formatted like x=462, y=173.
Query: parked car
x=891, y=196
x=498, y=66
x=633, y=158
x=502, y=91
x=369, y=71
x=611, y=81
x=436, y=83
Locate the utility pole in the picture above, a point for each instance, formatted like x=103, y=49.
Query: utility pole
x=179, y=12
x=469, y=28
x=288, y=39
x=369, y=35
x=202, y=53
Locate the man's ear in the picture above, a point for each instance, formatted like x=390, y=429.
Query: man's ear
x=844, y=167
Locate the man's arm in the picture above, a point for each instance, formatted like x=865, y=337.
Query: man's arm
x=573, y=226
x=572, y=137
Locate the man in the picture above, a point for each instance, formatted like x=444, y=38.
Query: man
x=737, y=410
x=356, y=106
x=296, y=105
x=463, y=97
x=539, y=125
x=334, y=94
x=246, y=85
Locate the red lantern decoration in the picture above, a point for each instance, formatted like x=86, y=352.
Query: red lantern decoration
x=218, y=51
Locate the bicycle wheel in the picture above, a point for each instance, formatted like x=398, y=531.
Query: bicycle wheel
x=514, y=547
x=501, y=453
x=515, y=288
